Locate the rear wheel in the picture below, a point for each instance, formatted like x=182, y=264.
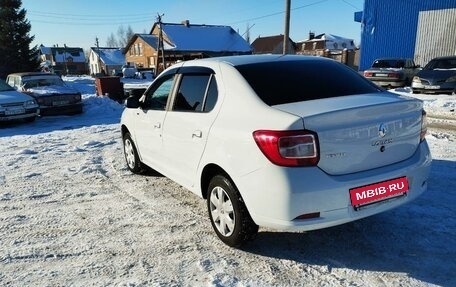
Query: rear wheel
x=228, y=214
x=131, y=155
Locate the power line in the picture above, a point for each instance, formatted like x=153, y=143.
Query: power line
x=350, y=4
x=278, y=13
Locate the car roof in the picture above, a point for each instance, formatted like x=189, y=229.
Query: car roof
x=25, y=74
x=254, y=59
x=445, y=58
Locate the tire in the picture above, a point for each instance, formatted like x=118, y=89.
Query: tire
x=228, y=214
x=131, y=155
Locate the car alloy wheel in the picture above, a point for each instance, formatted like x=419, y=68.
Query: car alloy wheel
x=228, y=214
x=131, y=155
x=222, y=212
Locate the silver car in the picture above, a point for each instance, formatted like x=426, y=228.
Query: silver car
x=392, y=72
x=15, y=105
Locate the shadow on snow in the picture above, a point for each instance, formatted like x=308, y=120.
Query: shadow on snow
x=418, y=238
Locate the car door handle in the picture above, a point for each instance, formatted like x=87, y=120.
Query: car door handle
x=197, y=134
x=157, y=125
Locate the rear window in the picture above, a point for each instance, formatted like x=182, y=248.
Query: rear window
x=296, y=81
x=388, y=64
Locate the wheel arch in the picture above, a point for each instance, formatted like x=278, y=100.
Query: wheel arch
x=124, y=130
x=208, y=173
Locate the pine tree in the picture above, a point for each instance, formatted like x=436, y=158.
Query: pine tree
x=15, y=52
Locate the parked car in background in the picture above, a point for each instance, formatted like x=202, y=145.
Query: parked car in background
x=49, y=90
x=267, y=142
x=15, y=105
x=392, y=72
x=438, y=76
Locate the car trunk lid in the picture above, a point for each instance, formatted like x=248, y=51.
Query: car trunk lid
x=361, y=132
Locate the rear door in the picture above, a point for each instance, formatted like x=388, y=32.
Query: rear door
x=188, y=123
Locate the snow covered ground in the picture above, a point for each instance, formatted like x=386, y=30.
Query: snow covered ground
x=71, y=214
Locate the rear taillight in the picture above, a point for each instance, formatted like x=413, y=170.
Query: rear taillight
x=367, y=74
x=394, y=75
x=289, y=148
x=424, y=125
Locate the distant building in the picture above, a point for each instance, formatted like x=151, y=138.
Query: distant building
x=322, y=42
x=64, y=60
x=418, y=29
x=331, y=46
x=272, y=45
x=106, y=60
x=183, y=41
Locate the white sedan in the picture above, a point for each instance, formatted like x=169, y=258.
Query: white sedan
x=15, y=105
x=285, y=142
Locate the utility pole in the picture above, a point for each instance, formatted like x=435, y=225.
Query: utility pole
x=65, y=58
x=98, y=52
x=161, y=48
x=286, y=35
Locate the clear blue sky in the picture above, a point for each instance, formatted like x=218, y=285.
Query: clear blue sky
x=77, y=23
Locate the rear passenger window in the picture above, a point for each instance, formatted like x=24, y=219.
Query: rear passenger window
x=195, y=92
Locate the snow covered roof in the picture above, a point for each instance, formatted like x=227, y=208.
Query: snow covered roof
x=334, y=42
x=64, y=54
x=110, y=56
x=152, y=40
x=213, y=38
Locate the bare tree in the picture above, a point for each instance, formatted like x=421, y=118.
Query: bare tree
x=112, y=42
x=124, y=35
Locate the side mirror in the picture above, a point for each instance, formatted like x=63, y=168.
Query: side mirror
x=132, y=103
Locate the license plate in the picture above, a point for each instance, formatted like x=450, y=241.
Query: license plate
x=376, y=192
x=432, y=87
x=381, y=75
x=60, y=103
x=14, y=112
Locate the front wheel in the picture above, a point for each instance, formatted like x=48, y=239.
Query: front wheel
x=228, y=214
x=131, y=155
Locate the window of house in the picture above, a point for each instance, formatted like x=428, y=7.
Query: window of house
x=140, y=49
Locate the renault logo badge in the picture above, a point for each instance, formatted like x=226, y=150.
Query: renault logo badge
x=382, y=130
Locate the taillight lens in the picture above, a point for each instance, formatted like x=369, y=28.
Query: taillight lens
x=367, y=74
x=424, y=125
x=289, y=148
x=394, y=75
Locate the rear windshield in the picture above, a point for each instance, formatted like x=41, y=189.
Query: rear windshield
x=392, y=63
x=285, y=82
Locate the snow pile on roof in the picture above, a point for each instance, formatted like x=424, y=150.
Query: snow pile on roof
x=205, y=38
x=334, y=42
x=152, y=40
x=65, y=56
x=111, y=56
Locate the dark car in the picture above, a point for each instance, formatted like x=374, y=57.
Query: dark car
x=438, y=76
x=49, y=90
x=392, y=72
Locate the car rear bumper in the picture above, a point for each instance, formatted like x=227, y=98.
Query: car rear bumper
x=61, y=110
x=389, y=83
x=276, y=196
